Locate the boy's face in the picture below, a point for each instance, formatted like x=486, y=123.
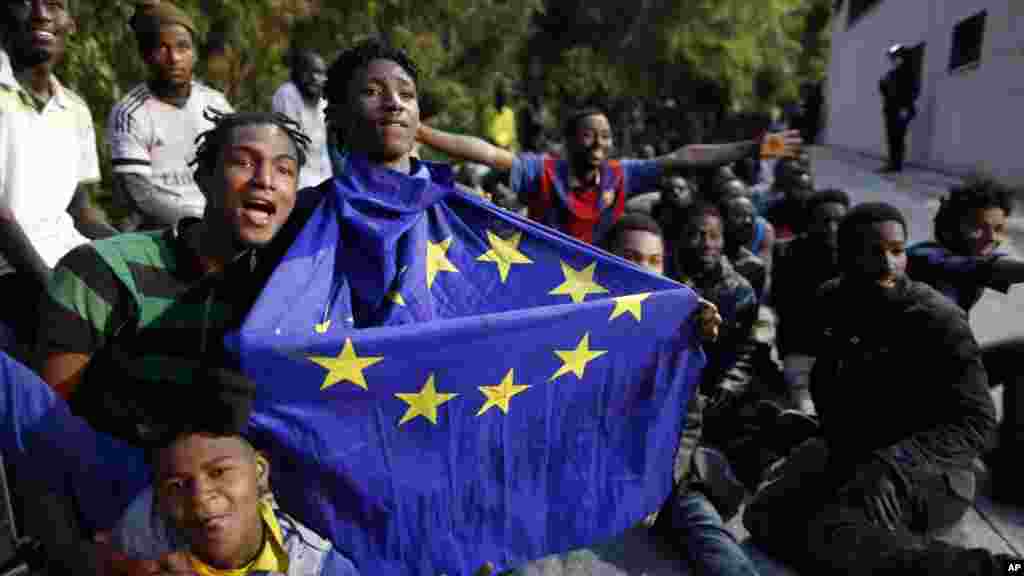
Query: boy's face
x=173, y=57
x=984, y=230
x=385, y=111
x=739, y=213
x=209, y=487
x=592, y=141
x=824, y=225
x=705, y=241
x=880, y=257
x=254, y=192
x=643, y=248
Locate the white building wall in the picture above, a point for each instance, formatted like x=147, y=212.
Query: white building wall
x=967, y=119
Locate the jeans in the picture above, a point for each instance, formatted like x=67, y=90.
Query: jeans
x=708, y=546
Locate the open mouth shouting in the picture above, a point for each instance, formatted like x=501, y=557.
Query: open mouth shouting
x=258, y=211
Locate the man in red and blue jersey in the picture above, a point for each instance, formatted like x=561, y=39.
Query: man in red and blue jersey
x=584, y=194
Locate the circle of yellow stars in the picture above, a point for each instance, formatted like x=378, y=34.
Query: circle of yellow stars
x=504, y=253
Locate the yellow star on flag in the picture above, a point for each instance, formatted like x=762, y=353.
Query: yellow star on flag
x=576, y=361
x=437, y=259
x=347, y=366
x=631, y=304
x=504, y=253
x=424, y=403
x=396, y=297
x=578, y=283
x=500, y=395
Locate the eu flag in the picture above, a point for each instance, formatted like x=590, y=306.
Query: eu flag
x=442, y=383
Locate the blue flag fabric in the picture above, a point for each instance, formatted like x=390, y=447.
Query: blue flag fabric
x=442, y=383
x=50, y=446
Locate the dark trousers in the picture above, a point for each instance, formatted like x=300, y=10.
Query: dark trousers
x=1003, y=363
x=804, y=520
x=896, y=132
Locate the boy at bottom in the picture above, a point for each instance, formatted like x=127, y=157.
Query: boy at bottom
x=214, y=508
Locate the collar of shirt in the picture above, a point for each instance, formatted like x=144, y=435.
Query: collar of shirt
x=9, y=81
x=190, y=264
x=272, y=557
x=575, y=182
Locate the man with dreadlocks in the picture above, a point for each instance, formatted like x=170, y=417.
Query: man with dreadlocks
x=152, y=130
x=166, y=298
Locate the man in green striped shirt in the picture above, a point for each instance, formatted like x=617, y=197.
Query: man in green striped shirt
x=167, y=296
x=154, y=306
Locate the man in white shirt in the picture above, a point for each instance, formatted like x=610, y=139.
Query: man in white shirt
x=301, y=99
x=47, y=159
x=152, y=130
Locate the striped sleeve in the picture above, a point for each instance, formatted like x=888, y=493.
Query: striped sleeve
x=85, y=303
x=128, y=135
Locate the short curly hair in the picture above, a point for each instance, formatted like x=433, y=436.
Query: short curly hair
x=341, y=72
x=978, y=192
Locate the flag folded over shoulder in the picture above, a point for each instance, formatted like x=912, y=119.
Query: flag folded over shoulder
x=442, y=383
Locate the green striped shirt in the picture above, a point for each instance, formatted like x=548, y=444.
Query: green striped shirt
x=149, y=291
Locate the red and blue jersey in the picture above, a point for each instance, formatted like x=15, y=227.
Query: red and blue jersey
x=585, y=212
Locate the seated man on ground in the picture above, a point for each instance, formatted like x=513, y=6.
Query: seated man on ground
x=762, y=235
x=802, y=265
x=688, y=517
x=967, y=257
x=894, y=473
x=740, y=235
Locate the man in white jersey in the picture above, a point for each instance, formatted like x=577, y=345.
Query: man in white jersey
x=47, y=159
x=152, y=130
x=301, y=99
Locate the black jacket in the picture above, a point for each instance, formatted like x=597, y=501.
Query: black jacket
x=899, y=377
x=800, y=266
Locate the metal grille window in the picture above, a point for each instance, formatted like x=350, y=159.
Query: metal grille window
x=968, y=37
x=858, y=8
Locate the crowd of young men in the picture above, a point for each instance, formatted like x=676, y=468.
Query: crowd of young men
x=208, y=222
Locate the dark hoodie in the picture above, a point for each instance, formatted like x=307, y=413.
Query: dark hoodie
x=899, y=377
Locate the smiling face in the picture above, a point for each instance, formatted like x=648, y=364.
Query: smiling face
x=209, y=488
x=252, y=192
x=984, y=230
x=591, y=141
x=172, y=56
x=37, y=31
x=385, y=113
x=705, y=241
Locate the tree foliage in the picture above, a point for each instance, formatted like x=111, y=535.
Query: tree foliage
x=725, y=55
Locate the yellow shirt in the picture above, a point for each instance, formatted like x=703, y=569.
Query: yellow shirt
x=272, y=558
x=501, y=128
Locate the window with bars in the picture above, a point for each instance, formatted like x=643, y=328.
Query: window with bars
x=968, y=37
x=858, y=8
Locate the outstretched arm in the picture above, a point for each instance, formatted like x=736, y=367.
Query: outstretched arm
x=468, y=148
x=773, y=145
